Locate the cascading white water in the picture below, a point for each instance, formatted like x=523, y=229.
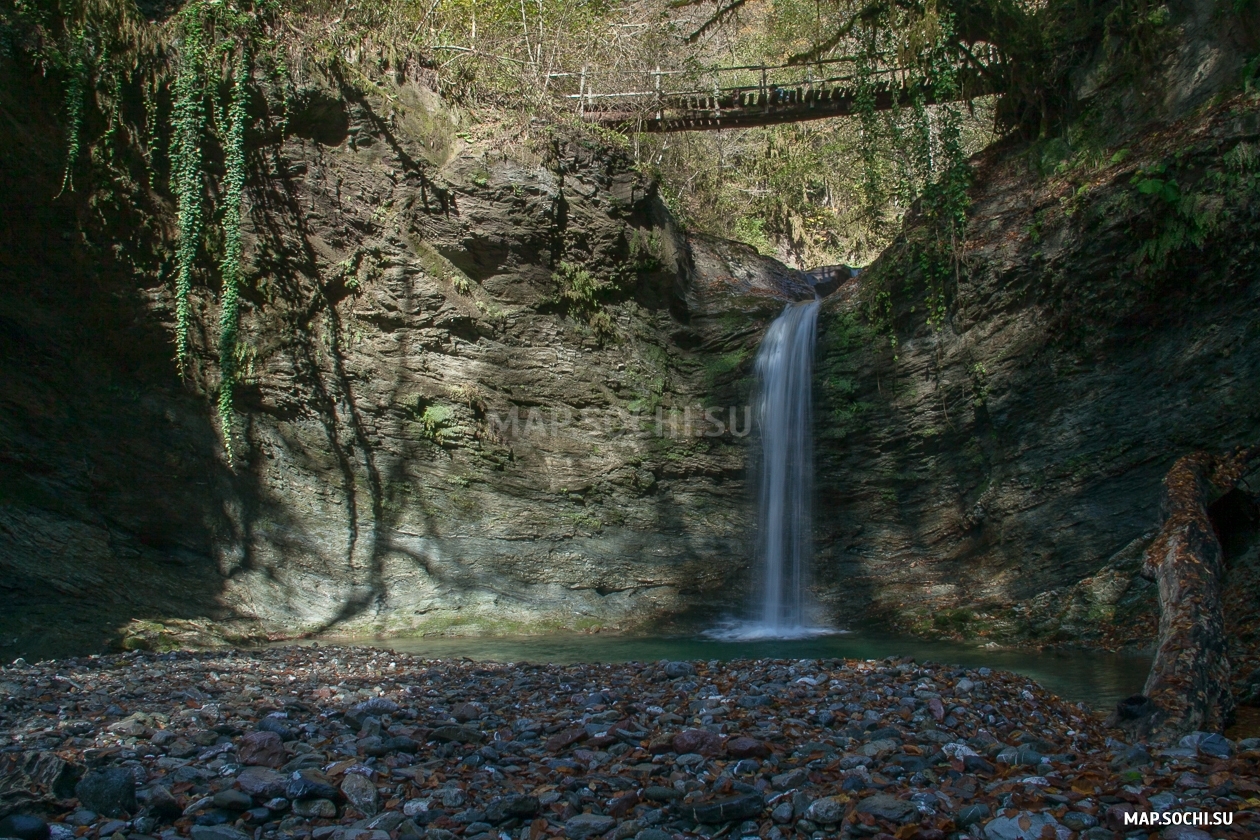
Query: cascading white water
x=785, y=366
x=785, y=480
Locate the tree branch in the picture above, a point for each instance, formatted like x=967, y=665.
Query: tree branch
x=717, y=18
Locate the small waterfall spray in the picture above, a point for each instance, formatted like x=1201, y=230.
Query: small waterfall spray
x=785, y=480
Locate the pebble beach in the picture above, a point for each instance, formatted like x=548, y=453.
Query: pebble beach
x=334, y=743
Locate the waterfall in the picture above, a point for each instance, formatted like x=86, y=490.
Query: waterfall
x=785, y=480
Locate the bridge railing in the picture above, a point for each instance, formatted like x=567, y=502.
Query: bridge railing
x=647, y=95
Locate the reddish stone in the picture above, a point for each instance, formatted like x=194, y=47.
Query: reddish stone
x=936, y=708
x=261, y=749
x=564, y=738
x=1114, y=818
x=700, y=741
x=744, y=747
x=622, y=805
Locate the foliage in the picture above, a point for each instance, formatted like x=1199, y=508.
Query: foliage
x=234, y=189
x=203, y=58
x=189, y=121
x=1183, y=207
x=75, y=93
x=434, y=420
x=581, y=293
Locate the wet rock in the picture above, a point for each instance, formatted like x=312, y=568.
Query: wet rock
x=261, y=749
x=1115, y=815
x=886, y=807
x=24, y=827
x=1079, y=821
x=261, y=782
x=456, y=734
x=465, y=712
x=361, y=793
x=310, y=784
x=587, y=825
x=726, y=810
x=450, y=797
x=699, y=741
x=658, y=793
x=674, y=670
x=744, y=747
x=936, y=708
x=109, y=791
x=375, y=707
x=400, y=744
x=1208, y=743
x=504, y=808
x=827, y=811
x=653, y=834
x=278, y=722
x=976, y=764
x=1136, y=756
x=162, y=803
x=1184, y=832
x=315, y=808
x=388, y=821
x=788, y=780
x=218, y=832
x=232, y=800
x=879, y=748
x=972, y=814
x=565, y=738
x=1022, y=826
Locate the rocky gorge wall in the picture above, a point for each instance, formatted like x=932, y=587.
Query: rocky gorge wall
x=461, y=339
x=997, y=476
x=473, y=366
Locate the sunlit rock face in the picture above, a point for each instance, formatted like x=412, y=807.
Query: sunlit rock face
x=490, y=387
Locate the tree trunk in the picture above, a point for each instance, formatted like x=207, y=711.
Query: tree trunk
x=1188, y=687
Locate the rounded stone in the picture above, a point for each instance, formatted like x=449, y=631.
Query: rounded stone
x=110, y=791
x=315, y=809
x=24, y=827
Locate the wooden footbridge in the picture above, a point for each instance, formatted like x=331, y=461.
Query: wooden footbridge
x=757, y=95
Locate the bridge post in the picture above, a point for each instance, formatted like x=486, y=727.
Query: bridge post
x=582, y=93
x=765, y=92
x=659, y=112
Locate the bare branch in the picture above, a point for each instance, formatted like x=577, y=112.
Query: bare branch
x=717, y=18
x=846, y=29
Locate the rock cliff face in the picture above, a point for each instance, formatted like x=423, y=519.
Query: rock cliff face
x=998, y=476
x=475, y=395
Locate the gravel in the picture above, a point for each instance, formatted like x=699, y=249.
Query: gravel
x=326, y=743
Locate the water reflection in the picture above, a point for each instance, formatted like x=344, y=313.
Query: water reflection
x=1097, y=679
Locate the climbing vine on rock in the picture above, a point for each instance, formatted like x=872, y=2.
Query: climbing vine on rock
x=76, y=90
x=203, y=60
x=931, y=169
x=234, y=188
x=189, y=108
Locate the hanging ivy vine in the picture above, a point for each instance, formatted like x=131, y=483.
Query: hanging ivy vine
x=945, y=196
x=189, y=122
x=925, y=125
x=233, y=193
x=76, y=92
x=204, y=59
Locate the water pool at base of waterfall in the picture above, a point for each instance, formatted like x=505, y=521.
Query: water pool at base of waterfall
x=1098, y=679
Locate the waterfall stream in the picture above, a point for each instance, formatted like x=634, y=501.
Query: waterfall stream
x=782, y=606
